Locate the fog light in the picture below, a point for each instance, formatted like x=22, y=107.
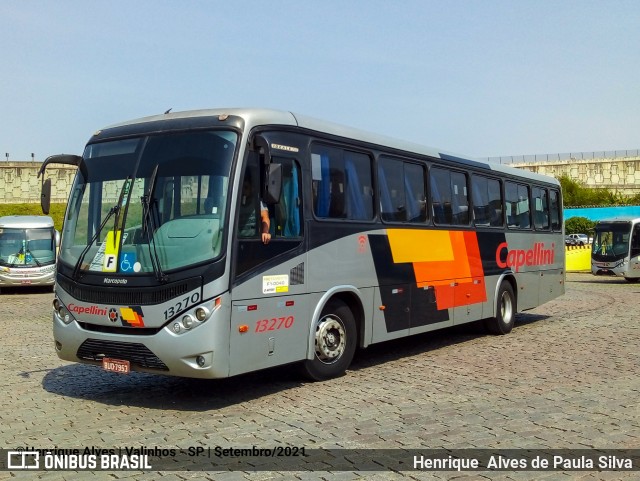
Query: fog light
x=56, y=305
x=58, y=346
x=176, y=327
x=187, y=321
x=200, y=360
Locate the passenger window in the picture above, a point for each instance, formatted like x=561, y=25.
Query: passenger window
x=517, y=205
x=450, y=200
x=541, y=209
x=554, y=208
x=487, y=201
x=341, y=184
x=402, y=191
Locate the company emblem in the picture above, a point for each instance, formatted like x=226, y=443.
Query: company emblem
x=132, y=316
x=113, y=314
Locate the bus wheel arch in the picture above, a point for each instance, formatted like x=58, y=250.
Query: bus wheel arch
x=335, y=337
x=506, y=302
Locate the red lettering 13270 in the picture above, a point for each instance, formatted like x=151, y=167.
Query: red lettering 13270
x=273, y=324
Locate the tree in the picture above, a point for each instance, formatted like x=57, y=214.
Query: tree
x=578, y=225
x=576, y=194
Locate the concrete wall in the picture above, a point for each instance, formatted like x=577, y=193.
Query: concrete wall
x=19, y=183
x=616, y=174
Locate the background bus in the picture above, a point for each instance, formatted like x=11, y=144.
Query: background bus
x=163, y=269
x=616, y=248
x=28, y=246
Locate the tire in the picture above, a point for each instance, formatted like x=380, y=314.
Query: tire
x=505, y=311
x=335, y=343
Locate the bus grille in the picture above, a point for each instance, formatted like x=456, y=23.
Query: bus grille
x=138, y=354
x=139, y=296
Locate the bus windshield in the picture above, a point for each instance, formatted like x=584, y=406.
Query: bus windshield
x=149, y=204
x=611, y=241
x=27, y=247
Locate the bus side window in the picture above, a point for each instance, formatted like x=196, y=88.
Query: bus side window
x=635, y=241
x=286, y=219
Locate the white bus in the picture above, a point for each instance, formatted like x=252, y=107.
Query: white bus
x=616, y=248
x=167, y=266
x=27, y=250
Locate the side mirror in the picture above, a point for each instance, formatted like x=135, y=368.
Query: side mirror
x=273, y=184
x=45, y=196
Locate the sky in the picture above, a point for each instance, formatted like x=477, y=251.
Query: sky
x=482, y=78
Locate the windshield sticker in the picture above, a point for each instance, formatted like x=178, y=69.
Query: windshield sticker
x=128, y=262
x=99, y=261
x=111, y=251
x=275, y=284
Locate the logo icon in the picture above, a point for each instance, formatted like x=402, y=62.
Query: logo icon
x=23, y=460
x=113, y=314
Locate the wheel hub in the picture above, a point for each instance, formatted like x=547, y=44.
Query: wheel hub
x=330, y=339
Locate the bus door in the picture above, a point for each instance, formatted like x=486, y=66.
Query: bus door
x=270, y=314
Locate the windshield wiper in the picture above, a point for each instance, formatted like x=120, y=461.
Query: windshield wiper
x=115, y=209
x=148, y=226
x=26, y=249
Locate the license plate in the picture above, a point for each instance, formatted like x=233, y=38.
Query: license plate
x=116, y=365
x=25, y=282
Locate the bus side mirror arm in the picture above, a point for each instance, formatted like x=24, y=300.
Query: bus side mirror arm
x=67, y=159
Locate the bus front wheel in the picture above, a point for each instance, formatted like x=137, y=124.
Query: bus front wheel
x=505, y=311
x=334, y=343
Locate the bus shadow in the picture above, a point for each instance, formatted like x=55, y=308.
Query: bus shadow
x=21, y=290
x=153, y=391
x=602, y=280
x=431, y=341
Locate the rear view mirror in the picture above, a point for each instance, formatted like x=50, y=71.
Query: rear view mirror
x=45, y=196
x=273, y=184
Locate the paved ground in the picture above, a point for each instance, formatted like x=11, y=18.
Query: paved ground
x=566, y=377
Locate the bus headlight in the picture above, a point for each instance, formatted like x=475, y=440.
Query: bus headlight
x=61, y=312
x=188, y=321
x=202, y=313
x=194, y=317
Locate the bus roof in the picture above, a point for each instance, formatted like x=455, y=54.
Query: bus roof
x=622, y=218
x=258, y=117
x=25, y=221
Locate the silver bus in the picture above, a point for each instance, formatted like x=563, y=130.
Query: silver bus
x=27, y=250
x=616, y=248
x=217, y=242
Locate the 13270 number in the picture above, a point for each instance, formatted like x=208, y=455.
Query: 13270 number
x=181, y=304
x=274, y=324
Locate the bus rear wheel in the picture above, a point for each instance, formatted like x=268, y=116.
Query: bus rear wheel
x=505, y=311
x=334, y=341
